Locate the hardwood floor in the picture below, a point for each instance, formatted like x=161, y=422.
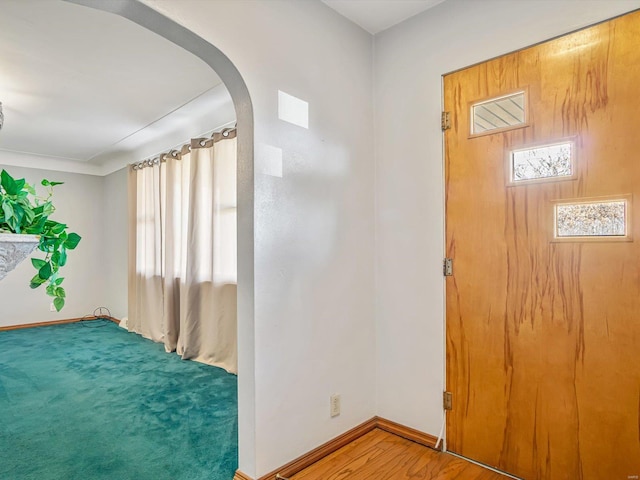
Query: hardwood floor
x=379, y=455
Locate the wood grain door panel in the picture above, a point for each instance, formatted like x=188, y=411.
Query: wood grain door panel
x=542, y=336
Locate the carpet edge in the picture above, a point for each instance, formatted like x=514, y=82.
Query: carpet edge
x=57, y=322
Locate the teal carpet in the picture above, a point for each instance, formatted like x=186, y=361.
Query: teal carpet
x=89, y=401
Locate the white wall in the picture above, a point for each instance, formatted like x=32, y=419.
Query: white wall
x=409, y=62
x=79, y=203
x=115, y=253
x=313, y=226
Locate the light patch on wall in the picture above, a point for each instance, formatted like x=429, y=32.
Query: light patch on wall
x=269, y=160
x=293, y=110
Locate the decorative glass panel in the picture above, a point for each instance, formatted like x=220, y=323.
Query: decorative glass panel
x=501, y=112
x=546, y=161
x=595, y=219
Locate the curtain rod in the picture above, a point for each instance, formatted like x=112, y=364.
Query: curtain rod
x=185, y=148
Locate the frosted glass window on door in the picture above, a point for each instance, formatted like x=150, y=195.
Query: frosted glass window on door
x=546, y=161
x=498, y=113
x=597, y=219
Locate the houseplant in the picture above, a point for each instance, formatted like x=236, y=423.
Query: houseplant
x=23, y=212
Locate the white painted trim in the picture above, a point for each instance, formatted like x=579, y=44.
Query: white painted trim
x=44, y=162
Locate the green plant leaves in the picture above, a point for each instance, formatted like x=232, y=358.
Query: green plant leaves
x=55, y=291
x=45, y=271
x=37, y=263
x=58, y=302
x=7, y=209
x=9, y=215
x=36, y=281
x=58, y=228
x=29, y=216
x=21, y=211
x=47, y=183
x=72, y=241
x=8, y=183
x=29, y=190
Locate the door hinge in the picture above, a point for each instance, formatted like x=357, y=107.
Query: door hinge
x=447, y=400
x=446, y=121
x=447, y=267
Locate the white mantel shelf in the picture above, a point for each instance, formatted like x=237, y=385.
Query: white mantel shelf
x=14, y=249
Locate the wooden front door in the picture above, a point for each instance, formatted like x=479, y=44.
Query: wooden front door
x=543, y=226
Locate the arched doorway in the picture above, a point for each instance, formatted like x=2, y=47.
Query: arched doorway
x=154, y=21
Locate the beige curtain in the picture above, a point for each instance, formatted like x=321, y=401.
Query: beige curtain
x=183, y=267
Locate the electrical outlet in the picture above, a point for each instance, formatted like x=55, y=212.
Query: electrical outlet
x=335, y=405
x=52, y=307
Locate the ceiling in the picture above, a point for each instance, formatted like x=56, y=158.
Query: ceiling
x=87, y=88
x=87, y=91
x=378, y=15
